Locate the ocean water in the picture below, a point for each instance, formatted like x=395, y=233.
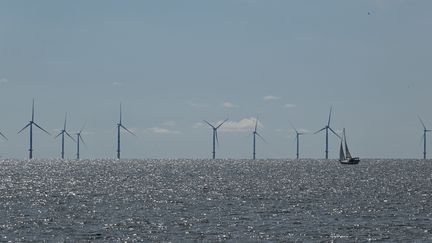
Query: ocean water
x=220, y=200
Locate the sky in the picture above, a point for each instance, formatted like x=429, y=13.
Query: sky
x=173, y=64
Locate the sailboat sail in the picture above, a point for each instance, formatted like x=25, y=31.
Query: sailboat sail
x=348, y=154
x=341, y=152
x=346, y=158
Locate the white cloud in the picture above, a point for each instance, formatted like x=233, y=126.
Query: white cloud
x=244, y=125
x=304, y=130
x=291, y=130
x=271, y=97
x=160, y=130
x=228, y=105
x=117, y=84
x=290, y=105
x=196, y=105
x=4, y=80
x=198, y=125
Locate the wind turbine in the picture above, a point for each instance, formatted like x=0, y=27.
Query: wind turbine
x=326, y=128
x=424, y=137
x=63, y=132
x=215, y=136
x=255, y=133
x=298, y=134
x=79, y=138
x=30, y=124
x=119, y=126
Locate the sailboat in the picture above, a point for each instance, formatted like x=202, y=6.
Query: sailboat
x=345, y=157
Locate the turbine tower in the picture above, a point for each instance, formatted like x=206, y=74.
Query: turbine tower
x=255, y=133
x=298, y=134
x=79, y=138
x=215, y=136
x=327, y=128
x=119, y=126
x=30, y=124
x=424, y=137
x=63, y=132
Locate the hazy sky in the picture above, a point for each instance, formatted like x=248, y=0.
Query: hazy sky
x=174, y=63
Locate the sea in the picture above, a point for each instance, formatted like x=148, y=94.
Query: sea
x=186, y=200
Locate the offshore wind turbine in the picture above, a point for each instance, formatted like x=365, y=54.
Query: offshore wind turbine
x=298, y=134
x=119, y=126
x=63, y=132
x=424, y=137
x=215, y=136
x=327, y=128
x=30, y=124
x=255, y=133
x=79, y=138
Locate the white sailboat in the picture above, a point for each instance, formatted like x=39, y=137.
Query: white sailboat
x=345, y=157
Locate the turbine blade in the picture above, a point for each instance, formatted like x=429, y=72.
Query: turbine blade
x=120, y=113
x=70, y=136
x=319, y=130
x=328, y=123
x=256, y=124
x=209, y=123
x=421, y=122
x=127, y=130
x=293, y=127
x=24, y=127
x=82, y=140
x=1, y=134
x=33, y=110
x=41, y=128
x=58, y=134
x=64, y=127
x=259, y=135
x=217, y=139
x=222, y=123
x=82, y=128
x=335, y=133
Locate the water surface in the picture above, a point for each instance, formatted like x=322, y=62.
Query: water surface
x=221, y=200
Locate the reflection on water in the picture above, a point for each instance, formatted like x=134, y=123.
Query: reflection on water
x=239, y=200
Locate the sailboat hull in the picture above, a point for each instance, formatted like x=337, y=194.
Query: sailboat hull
x=350, y=161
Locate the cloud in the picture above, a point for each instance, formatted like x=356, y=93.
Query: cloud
x=291, y=130
x=198, y=125
x=228, y=105
x=244, y=125
x=160, y=130
x=196, y=105
x=304, y=130
x=4, y=80
x=290, y=105
x=271, y=97
x=117, y=84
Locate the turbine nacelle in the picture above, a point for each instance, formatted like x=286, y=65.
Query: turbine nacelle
x=326, y=128
x=30, y=124
x=215, y=135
